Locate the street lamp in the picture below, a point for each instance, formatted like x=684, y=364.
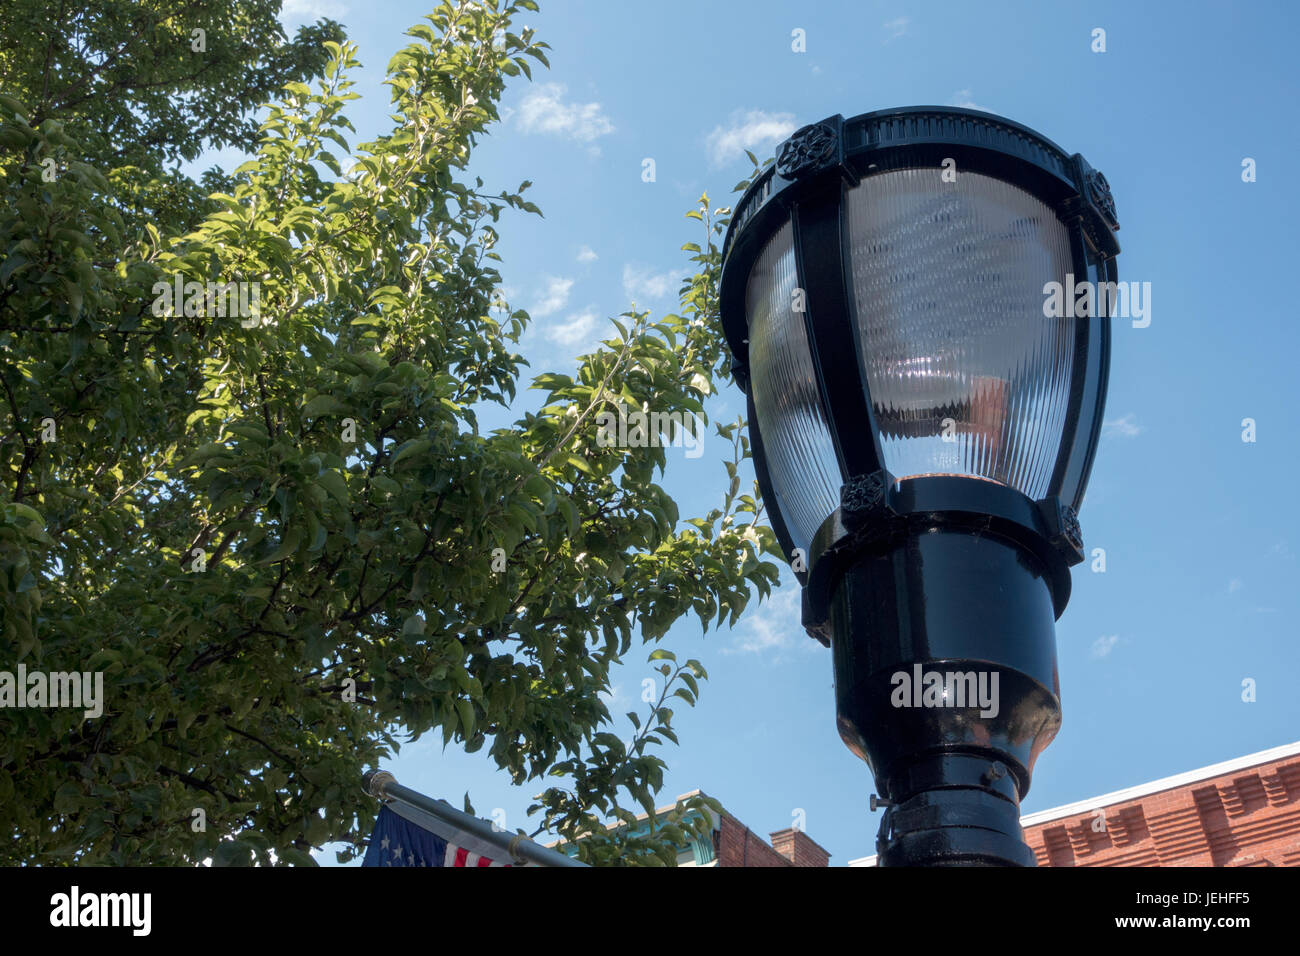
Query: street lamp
x=923, y=429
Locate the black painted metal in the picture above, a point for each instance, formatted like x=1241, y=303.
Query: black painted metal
x=958, y=611
x=940, y=574
x=1083, y=328
x=1074, y=480
x=819, y=251
x=947, y=600
x=889, y=512
x=953, y=809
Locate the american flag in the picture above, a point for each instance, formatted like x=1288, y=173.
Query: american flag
x=404, y=836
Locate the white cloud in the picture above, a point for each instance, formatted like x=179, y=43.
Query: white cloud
x=640, y=283
x=962, y=98
x=575, y=329
x=587, y=254
x=554, y=298
x=1102, y=646
x=754, y=130
x=1124, y=427
x=1234, y=585
x=543, y=110
x=896, y=27
x=309, y=11
x=774, y=625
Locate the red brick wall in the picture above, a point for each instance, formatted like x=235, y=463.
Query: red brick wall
x=1248, y=817
x=738, y=846
x=799, y=848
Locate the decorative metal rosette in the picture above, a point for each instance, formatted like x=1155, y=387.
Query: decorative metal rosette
x=1099, y=191
x=862, y=494
x=808, y=149
x=1070, y=527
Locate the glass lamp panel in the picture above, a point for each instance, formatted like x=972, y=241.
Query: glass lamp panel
x=966, y=374
x=801, y=460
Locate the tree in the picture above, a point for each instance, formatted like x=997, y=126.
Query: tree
x=141, y=85
x=243, y=474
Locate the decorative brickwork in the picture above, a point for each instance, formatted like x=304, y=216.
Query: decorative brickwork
x=1243, y=817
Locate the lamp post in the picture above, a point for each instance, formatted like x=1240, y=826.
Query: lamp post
x=923, y=431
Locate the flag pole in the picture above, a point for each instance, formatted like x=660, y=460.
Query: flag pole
x=384, y=786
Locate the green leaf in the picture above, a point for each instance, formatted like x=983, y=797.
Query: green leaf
x=296, y=857
x=570, y=513
x=322, y=405
x=335, y=484
x=288, y=545
x=465, y=710
x=417, y=446
x=233, y=853
x=10, y=266
x=581, y=464
x=68, y=798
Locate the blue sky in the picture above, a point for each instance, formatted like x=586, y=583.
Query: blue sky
x=1199, y=528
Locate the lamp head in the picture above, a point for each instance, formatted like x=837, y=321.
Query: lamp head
x=900, y=293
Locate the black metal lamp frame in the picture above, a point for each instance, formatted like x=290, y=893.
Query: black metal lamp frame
x=878, y=565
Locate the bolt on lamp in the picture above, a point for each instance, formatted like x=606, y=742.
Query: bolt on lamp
x=923, y=432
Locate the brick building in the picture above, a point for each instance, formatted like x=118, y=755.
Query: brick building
x=738, y=846
x=1242, y=812
x=734, y=844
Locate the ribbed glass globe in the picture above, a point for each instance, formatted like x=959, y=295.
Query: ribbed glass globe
x=966, y=374
x=796, y=439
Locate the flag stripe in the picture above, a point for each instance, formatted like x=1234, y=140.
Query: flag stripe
x=400, y=841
